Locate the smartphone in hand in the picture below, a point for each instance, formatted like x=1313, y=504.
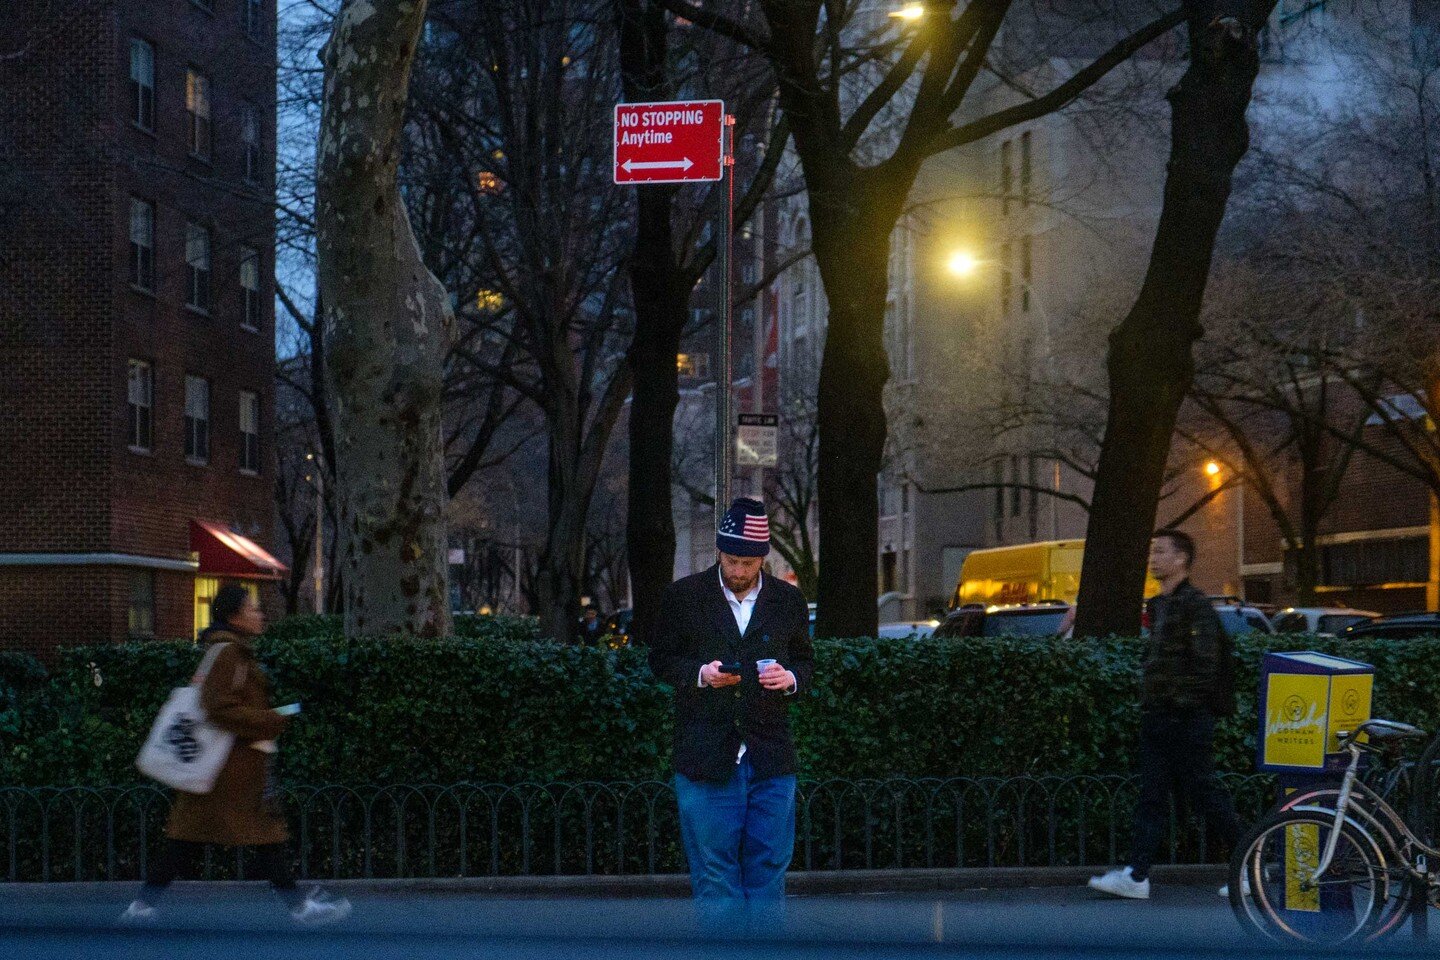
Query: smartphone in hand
x=729, y=668
x=289, y=710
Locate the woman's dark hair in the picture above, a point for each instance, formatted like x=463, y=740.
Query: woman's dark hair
x=228, y=601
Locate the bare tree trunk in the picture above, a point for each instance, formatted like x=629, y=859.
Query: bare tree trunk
x=852, y=253
x=1150, y=363
x=388, y=328
x=660, y=295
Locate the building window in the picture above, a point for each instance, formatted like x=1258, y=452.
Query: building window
x=693, y=365
x=141, y=405
x=1007, y=175
x=250, y=287
x=197, y=419
x=197, y=267
x=1026, y=273
x=254, y=11
x=197, y=108
x=142, y=84
x=887, y=571
x=1007, y=277
x=999, y=469
x=141, y=617
x=250, y=139
x=1025, y=178
x=1015, y=482
x=142, y=245
x=249, y=432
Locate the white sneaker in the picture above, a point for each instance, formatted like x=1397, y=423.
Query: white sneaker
x=318, y=910
x=1244, y=888
x=137, y=913
x=1120, y=883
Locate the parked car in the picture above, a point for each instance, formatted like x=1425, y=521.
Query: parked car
x=1325, y=621
x=1239, y=617
x=915, y=629
x=1044, y=619
x=1401, y=626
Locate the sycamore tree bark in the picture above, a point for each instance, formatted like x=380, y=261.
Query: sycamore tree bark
x=387, y=329
x=1150, y=364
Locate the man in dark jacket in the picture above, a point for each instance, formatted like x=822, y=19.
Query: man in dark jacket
x=1185, y=684
x=735, y=645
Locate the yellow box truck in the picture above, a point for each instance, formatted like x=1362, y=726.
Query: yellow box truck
x=1025, y=573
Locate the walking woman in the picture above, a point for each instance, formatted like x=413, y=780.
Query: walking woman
x=243, y=809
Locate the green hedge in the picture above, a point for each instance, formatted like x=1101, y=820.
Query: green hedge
x=502, y=708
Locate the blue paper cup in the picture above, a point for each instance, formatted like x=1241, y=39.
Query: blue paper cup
x=760, y=665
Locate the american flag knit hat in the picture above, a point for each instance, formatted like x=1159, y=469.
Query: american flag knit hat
x=745, y=531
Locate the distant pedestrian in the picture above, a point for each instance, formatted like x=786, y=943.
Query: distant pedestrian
x=735, y=645
x=1187, y=683
x=243, y=809
x=592, y=628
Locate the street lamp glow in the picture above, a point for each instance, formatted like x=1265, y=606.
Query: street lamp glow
x=963, y=263
x=1212, y=468
x=909, y=12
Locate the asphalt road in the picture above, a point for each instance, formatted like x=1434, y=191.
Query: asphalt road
x=249, y=924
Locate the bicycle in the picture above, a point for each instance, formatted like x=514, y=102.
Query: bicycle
x=1333, y=865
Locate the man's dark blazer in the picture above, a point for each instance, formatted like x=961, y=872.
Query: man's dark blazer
x=696, y=626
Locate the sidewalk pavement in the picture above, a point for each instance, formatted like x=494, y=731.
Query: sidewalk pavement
x=817, y=883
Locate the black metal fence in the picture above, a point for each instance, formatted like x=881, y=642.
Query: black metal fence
x=475, y=829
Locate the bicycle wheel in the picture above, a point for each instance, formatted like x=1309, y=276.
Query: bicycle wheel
x=1286, y=904
x=1385, y=833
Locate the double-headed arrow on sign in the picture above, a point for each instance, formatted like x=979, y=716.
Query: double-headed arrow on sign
x=682, y=164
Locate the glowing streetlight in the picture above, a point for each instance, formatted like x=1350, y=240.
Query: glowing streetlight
x=963, y=263
x=910, y=12
x=1212, y=468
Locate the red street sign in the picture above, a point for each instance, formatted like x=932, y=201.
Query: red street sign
x=678, y=142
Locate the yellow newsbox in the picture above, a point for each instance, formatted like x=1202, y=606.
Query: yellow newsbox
x=1306, y=700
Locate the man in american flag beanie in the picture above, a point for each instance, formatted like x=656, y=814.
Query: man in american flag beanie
x=735, y=645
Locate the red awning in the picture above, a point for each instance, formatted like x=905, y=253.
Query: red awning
x=224, y=553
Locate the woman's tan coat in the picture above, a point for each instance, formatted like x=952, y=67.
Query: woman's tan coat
x=235, y=697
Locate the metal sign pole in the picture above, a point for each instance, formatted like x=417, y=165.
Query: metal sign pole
x=723, y=374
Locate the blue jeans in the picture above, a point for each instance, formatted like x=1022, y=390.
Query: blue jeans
x=739, y=835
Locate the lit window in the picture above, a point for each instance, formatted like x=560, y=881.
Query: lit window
x=197, y=419
x=142, y=84
x=197, y=109
x=250, y=288
x=489, y=301
x=249, y=432
x=142, y=244
x=197, y=267
x=141, y=405
x=693, y=365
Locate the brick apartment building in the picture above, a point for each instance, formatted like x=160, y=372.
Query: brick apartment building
x=136, y=315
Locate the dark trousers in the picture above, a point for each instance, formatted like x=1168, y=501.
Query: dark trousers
x=1177, y=759
x=180, y=857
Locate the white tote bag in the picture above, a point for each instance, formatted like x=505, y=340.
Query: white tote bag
x=184, y=750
